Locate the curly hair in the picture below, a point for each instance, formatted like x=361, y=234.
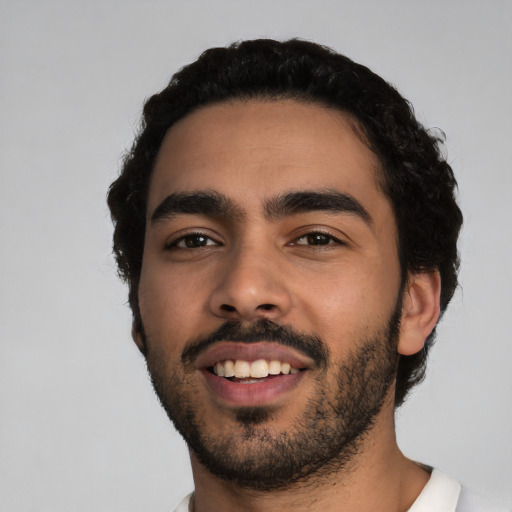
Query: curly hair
x=414, y=173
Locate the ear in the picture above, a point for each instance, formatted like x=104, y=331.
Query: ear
x=137, y=336
x=420, y=311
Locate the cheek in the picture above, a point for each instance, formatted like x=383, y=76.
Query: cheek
x=348, y=306
x=169, y=302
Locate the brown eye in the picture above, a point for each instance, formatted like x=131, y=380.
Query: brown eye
x=316, y=239
x=194, y=241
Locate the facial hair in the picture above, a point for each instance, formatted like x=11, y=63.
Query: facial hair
x=323, y=440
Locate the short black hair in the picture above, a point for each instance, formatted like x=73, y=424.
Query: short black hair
x=415, y=175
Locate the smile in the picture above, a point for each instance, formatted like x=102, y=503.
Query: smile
x=259, y=369
x=252, y=374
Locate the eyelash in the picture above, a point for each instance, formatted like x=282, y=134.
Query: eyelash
x=331, y=240
x=174, y=244
x=328, y=237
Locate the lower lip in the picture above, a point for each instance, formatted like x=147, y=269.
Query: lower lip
x=249, y=395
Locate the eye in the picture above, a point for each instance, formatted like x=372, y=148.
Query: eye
x=317, y=238
x=192, y=241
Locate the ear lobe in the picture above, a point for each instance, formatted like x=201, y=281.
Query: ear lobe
x=137, y=336
x=420, y=311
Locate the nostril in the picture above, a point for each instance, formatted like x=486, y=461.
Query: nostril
x=261, y=310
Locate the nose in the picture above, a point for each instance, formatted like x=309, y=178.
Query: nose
x=251, y=286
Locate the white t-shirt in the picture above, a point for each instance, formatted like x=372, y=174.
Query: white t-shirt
x=441, y=494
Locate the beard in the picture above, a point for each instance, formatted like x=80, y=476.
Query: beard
x=324, y=439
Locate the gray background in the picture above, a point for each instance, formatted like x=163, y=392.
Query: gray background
x=80, y=428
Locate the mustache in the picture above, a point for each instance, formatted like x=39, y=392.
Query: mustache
x=262, y=330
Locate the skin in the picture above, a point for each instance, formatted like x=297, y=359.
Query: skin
x=257, y=267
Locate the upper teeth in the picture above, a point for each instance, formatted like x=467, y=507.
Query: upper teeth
x=257, y=369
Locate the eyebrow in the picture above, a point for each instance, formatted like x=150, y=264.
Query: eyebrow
x=196, y=203
x=213, y=204
x=293, y=203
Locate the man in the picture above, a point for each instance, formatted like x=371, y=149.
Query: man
x=288, y=232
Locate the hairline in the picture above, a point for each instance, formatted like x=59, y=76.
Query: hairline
x=304, y=98
x=268, y=97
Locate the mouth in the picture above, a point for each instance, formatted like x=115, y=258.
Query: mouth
x=260, y=373
x=247, y=372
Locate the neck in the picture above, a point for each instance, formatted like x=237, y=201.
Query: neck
x=379, y=477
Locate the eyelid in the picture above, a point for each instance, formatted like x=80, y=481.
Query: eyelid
x=176, y=238
x=313, y=230
x=329, y=243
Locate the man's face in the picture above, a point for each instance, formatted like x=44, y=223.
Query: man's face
x=270, y=245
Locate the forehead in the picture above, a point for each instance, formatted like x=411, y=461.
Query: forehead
x=250, y=150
